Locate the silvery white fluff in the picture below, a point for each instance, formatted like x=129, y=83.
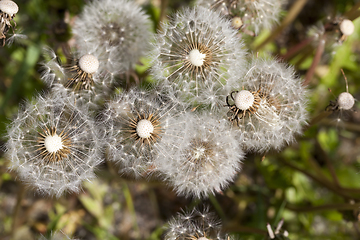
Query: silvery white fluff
x=53, y=145
x=281, y=109
x=197, y=54
x=204, y=159
x=89, y=87
x=118, y=31
x=135, y=123
x=195, y=224
x=255, y=14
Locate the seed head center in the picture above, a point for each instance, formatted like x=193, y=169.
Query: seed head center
x=196, y=58
x=89, y=63
x=144, y=128
x=346, y=101
x=53, y=143
x=199, y=152
x=9, y=7
x=244, y=99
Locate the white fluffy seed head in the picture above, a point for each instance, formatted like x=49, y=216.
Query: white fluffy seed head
x=244, y=99
x=236, y=22
x=346, y=101
x=53, y=143
x=9, y=7
x=203, y=238
x=89, y=63
x=196, y=58
x=347, y=27
x=144, y=128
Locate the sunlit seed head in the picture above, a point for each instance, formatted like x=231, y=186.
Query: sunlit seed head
x=144, y=128
x=196, y=58
x=244, y=99
x=347, y=27
x=236, y=22
x=203, y=238
x=198, y=152
x=53, y=143
x=346, y=101
x=9, y=7
x=89, y=63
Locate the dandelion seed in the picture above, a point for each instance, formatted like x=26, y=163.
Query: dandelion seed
x=202, y=161
x=269, y=107
x=197, y=51
x=135, y=123
x=53, y=146
x=117, y=30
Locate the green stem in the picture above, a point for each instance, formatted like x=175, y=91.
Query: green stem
x=319, y=52
x=353, y=13
x=325, y=207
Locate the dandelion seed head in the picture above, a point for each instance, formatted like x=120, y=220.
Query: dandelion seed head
x=197, y=54
x=144, y=128
x=116, y=30
x=345, y=101
x=200, y=159
x=9, y=7
x=196, y=57
x=254, y=15
x=53, y=143
x=347, y=27
x=275, y=109
x=236, y=22
x=136, y=122
x=195, y=225
x=244, y=99
x=89, y=63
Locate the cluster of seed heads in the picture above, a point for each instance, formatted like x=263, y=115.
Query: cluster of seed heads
x=209, y=106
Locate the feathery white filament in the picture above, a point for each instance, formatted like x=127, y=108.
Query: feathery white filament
x=53, y=143
x=347, y=27
x=144, y=128
x=89, y=63
x=9, y=7
x=196, y=58
x=203, y=238
x=244, y=99
x=346, y=101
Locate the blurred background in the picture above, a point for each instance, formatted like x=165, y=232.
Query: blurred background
x=314, y=185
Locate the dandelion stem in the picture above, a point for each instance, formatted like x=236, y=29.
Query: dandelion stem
x=20, y=195
x=325, y=207
x=329, y=165
x=292, y=14
x=297, y=48
x=353, y=13
x=319, y=52
x=130, y=205
x=318, y=118
x=163, y=7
